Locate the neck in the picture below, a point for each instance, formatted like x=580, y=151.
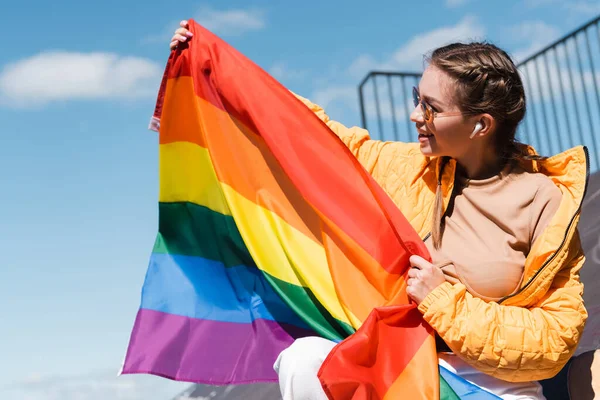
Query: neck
x=480, y=164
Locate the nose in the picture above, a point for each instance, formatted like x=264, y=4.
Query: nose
x=417, y=115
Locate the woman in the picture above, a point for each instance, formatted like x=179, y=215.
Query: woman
x=503, y=290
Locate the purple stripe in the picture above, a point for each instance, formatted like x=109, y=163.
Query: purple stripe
x=204, y=351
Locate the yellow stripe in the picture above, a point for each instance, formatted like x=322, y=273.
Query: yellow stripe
x=186, y=173
x=278, y=248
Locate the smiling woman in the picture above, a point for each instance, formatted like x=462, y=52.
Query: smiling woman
x=502, y=290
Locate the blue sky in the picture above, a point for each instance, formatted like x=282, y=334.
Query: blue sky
x=79, y=169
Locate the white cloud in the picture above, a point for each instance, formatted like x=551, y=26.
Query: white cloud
x=362, y=65
x=410, y=55
x=60, y=75
x=533, y=29
x=455, y=3
x=284, y=74
x=537, y=34
x=231, y=22
x=340, y=101
x=96, y=386
x=342, y=94
x=227, y=22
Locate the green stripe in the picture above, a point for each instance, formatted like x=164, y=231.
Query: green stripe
x=192, y=230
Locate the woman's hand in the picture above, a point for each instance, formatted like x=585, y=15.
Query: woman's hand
x=181, y=35
x=423, y=277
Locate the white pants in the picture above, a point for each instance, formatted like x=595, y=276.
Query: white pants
x=298, y=365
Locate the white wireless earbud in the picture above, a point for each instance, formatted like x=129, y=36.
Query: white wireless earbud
x=476, y=130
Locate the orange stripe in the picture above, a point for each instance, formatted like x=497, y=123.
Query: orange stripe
x=376, y=286
x=180, y=120
x=418, y=380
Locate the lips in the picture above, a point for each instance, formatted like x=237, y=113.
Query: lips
x=423, y=132
x=425, y=137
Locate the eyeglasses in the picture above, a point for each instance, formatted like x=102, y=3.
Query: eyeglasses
x=427, y=111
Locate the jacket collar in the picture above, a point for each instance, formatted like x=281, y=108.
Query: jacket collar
x=568, y=170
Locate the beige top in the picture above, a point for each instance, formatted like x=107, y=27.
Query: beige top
x=489, y=228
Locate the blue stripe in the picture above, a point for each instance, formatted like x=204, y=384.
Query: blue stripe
x=196, y=287
x=465, y=389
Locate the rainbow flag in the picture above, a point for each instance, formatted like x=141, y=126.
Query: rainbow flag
x=271, y=230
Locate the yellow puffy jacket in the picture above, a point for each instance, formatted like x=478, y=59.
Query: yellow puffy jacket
x=529, y=335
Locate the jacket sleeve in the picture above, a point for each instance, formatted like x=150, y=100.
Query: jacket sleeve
x=374, y=155
x=512, y=343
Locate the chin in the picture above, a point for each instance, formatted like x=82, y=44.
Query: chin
x=427, y=151
x=430, y=148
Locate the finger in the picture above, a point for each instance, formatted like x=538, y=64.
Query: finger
x=183, y=24
x=180, y=38
x=419, y=262
x=411, y=282
x=173, y=44
x=184, y=32
x=413, y=273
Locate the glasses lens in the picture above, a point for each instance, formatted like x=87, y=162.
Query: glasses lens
x=427, y=112
x=425, y=109
x=416, y=98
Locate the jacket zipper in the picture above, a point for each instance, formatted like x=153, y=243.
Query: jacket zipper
x=587, y=177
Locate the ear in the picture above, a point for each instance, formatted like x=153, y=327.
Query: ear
x=488, y=125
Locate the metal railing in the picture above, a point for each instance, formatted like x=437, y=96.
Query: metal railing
x=562, y=85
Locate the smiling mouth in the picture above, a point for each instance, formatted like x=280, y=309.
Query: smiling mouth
x=425, y=135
